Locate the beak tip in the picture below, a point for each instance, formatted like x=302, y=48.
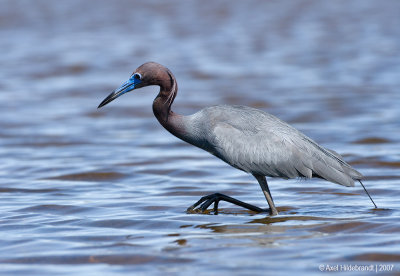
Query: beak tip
x=101, y=105
x=108, y=99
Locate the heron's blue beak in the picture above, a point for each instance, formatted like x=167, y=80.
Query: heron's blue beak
x=124, y=88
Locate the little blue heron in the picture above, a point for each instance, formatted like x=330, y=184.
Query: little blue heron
x=246, y=138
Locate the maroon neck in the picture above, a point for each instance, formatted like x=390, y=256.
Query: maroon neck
x=162, y=107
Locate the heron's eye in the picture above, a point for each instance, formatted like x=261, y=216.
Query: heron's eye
x=137, y=76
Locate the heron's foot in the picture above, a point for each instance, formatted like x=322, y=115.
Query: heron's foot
x=206, y=201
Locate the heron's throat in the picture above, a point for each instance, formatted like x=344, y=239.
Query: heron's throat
x=163, y=102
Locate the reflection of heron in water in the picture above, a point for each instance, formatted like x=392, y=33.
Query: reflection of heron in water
x=245, y=138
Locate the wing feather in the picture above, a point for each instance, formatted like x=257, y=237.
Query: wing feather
x=259, y=143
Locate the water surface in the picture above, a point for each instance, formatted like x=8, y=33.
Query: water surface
x=104, y=192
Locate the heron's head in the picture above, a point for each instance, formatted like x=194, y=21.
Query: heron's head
x=150, y=73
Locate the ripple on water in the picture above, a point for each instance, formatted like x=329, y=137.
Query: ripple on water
x=377, y=257
x=124, y=259
x=90, y=176
x=372, y=140
x=54, y=209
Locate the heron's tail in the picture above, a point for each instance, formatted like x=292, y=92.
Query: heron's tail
x=367, y=193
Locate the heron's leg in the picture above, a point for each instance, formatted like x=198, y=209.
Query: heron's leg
x=206, y=201
x=264, y=186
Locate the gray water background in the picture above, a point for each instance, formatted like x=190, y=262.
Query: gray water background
x=104, y=192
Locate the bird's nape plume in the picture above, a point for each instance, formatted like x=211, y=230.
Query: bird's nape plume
x=173, y=92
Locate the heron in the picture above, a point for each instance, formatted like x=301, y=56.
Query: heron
x=246, y=138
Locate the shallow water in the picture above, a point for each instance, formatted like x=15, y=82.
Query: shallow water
x=104, y=192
